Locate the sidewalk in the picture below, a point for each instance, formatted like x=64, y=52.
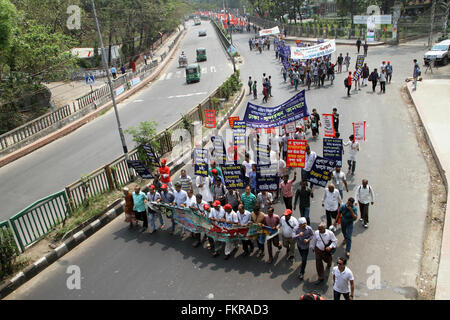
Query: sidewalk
x=64, y=93
x=431, y=101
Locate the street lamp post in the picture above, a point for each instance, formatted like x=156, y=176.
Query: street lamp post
x=105, y=66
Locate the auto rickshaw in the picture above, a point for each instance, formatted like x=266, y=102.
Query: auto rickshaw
x=182, y=61
x=193, y=73
x=201, y=54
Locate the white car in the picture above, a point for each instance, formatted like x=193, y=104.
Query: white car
x=439, y=53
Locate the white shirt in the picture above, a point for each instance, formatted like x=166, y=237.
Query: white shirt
x=205, y=191
x=231, y=217
x=191, y=201
x=342, y=280
x=248, y=167
x=309, y=160
x=263, y=199
x=338, y=179
x=331, y=200
x=354, y=147
x=199, y=206
x=281, y=167
x=286, y=230
x=326, y=236
x=244, y=218
x=180, y=197
x=217, y=214
x=365, y=195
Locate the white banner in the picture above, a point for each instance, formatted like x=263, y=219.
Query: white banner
x=268, y=32
x=319, y=50
x=359, y=130
x=290, y=127
x=328, y=125
x=371, y=29
x=381, y=19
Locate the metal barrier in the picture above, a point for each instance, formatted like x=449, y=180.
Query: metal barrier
x=38, y=219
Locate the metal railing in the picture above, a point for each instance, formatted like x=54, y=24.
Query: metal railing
x=38, y=219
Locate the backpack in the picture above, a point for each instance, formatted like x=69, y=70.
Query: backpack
x=346, y=82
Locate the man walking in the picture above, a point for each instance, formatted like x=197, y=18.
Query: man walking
x=365, y=75
x=366, y=47
x=348, y=213
x=248, y=199
x=343, y=281
x=139, y=208
x=331, y=201
x=340, y=60
x=232, y=219
x=354, y=149
x=389, y=71
x=364, y=194
x=303, y=233
x=250, y=82
x=416, y=73
x=288, y=224
x=244, y=219
x=358, y=44
x=154, y=196
x=339, y=181
x=310, y=157
x=323, y=242
x=315, y=122
x=286, y=190
x=199, y=207
x=374, y=78
x=304, y=193
x=347, y=61
x=272, y=220
x=349, y=83
x=335, y=120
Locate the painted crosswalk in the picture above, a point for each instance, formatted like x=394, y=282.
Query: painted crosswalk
x=182, y=74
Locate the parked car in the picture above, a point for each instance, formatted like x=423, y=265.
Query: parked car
x=202, y=33
x=439, y=53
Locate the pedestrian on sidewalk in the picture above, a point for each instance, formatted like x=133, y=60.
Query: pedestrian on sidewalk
x=284, y=73
x=304, y=193
x=255, y=91
x=122, y=69
x=303, y=234
x=259, y=218
x=129, y=204
x=249, y=83
x=145, y=59
x=347, y=61
x=340, y=60
x=286, y=190
x=114, y=72
x=374, y=79
x=323, y=243
x=354, y=149
x=366, y=47
x=363, y=195
x=358, y=44
x=383, y=81
x=288, y=224
x=139, y=208
x=389, y=72
x=348, y=213
x=365, y=75
x=272, y=220
x=339, y=180
x=416, y=73
x=349, y=83
x=331, y=201
x=343, y=281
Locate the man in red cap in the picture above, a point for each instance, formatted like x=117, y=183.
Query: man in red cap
x=232, y=219
x=288, y=224
x=214, y=166
x=164, y=171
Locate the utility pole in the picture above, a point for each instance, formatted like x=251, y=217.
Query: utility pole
x=433, y=9
x=105, y=66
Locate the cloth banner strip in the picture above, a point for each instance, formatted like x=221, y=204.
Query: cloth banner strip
x=267, y=32
x=197, y=223
x=312, y=52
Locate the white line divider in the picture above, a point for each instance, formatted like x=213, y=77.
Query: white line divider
x=213, y=69
x=204, y=70
x=169, y=75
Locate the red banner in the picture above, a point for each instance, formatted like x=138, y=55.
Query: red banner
x=328, y=125
x=231, y=121
x=296, y=151
x=210, y=118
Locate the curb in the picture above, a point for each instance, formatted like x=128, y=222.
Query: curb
x=31, y=271
x=79, y=123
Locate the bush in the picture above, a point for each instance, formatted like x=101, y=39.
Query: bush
x=7, y=253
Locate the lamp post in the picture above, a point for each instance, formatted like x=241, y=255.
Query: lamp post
x=105, y=66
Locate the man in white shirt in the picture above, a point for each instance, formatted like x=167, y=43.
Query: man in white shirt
x=245, y=219
x=339, y=180
x=230, y=218
x=265, y=200
x=354, y=149
x=343, y=281
x=310, y=157
x=288, y=224
x=181, y=200
x=154, y=196
x=204, y=187
x=323, y=242
x=364, y=194
x=216, y=215
x=331, y=201
x=248, y=168
x=198, y=207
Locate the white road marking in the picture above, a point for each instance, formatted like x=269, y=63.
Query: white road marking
x=204, y=70
x=187, y=95
x=163, y=76
x=138, y=101
x=169, y=75
x=213, y=69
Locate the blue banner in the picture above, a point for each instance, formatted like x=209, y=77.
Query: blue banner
x=262, y=154
x=267, y=178
x=219, y=152
x=268, y=117
x=239, y=128
x=151, y=155
x=201, y=162
x=332, y=150
x=232, y=175
x=140, y=168
x=321, y=171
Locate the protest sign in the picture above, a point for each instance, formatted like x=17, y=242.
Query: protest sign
x=262, y=154
x=328, y=125
x=219, y=153
x=321, y=171
x=151, y=155
x=267, y=178
x=140, y=169
x=359, y=65
x=232, y=175
x=267, y=32
x=266, y=117
x=332, y=150
x=359, y=130
x=210, y=118
x=317, y=51
x=296, y=151
x=291, y=127
x=239, y=128
x=201, y=162
x=231, y=121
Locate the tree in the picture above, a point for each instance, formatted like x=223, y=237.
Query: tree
x=7, y=15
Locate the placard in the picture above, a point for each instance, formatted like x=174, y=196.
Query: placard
x=291, y=127
x=151, y=155
x=201, y=162
x=232, y=175
x=359, y=130
x=267, y=178
x=332, y=150
x=231, y=121
x=321, y=171
x=296, y=151
x=328, y=125
x=262, y=154
x=239, y=128
x=359, y=65
x=210, y=119
x=219, y=152
x=140, y=169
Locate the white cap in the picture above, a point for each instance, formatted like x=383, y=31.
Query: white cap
x=125, y=189
x=302, y=220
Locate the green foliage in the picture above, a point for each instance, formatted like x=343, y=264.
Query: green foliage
x=145, y=133
x=7, y=252
x=7, y=15
x=232, y=85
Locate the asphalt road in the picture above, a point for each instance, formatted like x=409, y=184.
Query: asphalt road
x=117, y=263
x=51, y=168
